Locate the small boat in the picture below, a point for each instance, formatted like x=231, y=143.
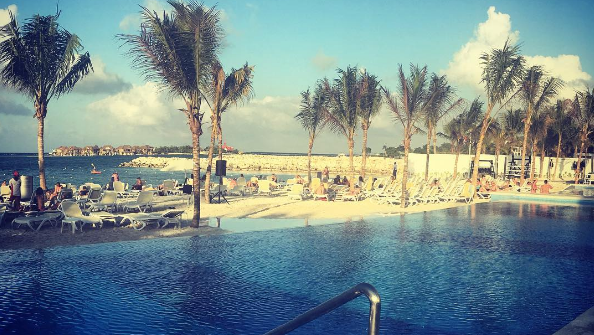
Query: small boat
x=94, y=171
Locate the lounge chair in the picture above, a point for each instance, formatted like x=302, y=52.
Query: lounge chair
x=39, y=218
x=143, y=203
x=296, y=192
x=107, y=202
x=73, y=213
x=264, y=187
x=4, y=193
x=142, y=220
x=169, y=187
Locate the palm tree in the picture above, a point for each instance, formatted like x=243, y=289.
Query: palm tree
x=453, y=131
x=441, y=97
x=583, y=114
x=369, y=106
x=561, y=123
x=224, y=91
x=343, y=116
x=178, y=52
x=536, y=91
x=408, y=109
x=538, y=133
x=502, y=71
x=313, y=117
x=42, y=61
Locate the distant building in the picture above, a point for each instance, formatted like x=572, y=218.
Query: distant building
x=106, y=150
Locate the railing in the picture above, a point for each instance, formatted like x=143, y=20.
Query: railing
x=332, y=304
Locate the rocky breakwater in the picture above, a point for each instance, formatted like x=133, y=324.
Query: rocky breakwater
x=271, y=163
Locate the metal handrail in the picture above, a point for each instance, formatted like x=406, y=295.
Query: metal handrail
x=332, y=304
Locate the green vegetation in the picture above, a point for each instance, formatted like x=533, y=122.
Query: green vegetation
x=42, y=61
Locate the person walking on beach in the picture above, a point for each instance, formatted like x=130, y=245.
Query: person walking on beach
x=395, y=170
x=15, y=191
x=325, y=175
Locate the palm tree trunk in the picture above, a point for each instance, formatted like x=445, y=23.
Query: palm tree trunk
x=407, y=136
x=352, y=167
x=525, y=142
x=532, y=156
x=364, y=152
x=434, y=142
x=196, y=172
x=542, y=157
x=579, y=161
x=456, y=163
x=213, y=135
x=497, y=152
x=40, y=157
x=220, y=133
x=310, y=146
x=428, y=152
x=557, y=159
x=479, y=145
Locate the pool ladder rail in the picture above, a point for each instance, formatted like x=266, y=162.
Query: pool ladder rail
x=334, y=303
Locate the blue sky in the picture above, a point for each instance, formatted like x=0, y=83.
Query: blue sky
x=292, y=44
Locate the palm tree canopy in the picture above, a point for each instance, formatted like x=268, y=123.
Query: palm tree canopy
x=42, y=60
x=441, y=101
x=503, y=70
x=410, y=104
x=343, y=116
x=538, y=90
x=560, y=116
x=313, y=110
x=177, y=51
x=232, y=89
x=582, y=109
x=370, y=98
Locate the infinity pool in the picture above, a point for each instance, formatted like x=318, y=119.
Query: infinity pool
x=494, y=268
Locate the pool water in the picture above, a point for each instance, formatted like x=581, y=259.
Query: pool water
x=493, y=268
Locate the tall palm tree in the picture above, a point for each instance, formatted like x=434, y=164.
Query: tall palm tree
x=441, y=103
x=177, y=52
x=224, y=91
x=561, y=123
x=583, y=114
x=513, y=122
x=536, y=91
x=369, y=105
x=538, y=133
x=343, y=116
x=312, y=116
x=408, y=108
x=42, y=61
x=503, y=70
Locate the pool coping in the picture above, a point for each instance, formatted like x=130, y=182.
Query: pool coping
x=548, y=198
x=582, y=325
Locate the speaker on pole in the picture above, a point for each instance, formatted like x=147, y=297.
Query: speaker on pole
x=221, y=168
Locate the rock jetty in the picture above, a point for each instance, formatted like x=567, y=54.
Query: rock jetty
x=270, y=163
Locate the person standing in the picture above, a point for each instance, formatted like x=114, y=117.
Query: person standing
x=395, y=170
x=15, y=190
x=325, y=175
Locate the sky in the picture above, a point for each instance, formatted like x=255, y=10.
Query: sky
x=292, y=44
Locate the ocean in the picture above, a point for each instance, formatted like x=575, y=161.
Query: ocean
x=77, y=170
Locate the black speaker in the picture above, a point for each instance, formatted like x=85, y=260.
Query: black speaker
x=187, y=189
x=221, y=168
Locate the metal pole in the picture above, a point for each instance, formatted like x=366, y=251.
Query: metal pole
x=330, y=305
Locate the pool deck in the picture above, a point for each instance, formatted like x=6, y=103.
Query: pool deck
x=582, y=325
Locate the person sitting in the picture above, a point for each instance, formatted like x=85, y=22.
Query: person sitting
x=56, y=193
x=115, y=176
x=321, y=190
x=546, y=187
x=345, y=181
x=38, y=201
x=337, y=180
x=232, y=183
x=534, y=186
x=274, y=178
x=138, y=185
x=109, y=185
x=360, y=182
x=299, y=180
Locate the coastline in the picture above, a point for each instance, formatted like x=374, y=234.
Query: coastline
x=272, y=163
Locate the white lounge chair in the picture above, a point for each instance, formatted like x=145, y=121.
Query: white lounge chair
x=107, y=202
x=296, y=192
x=142, y=220
x=40, y=219
x=73, y=213
x=143, y=203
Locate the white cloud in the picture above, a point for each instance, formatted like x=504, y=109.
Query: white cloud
x=566, y=67
x=323, y=62
x=132, y=21
x=5, y=17
x=101, y=81
x=465, y=68
x=140, y=106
